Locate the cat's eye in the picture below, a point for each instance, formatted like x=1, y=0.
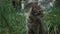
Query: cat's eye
x=39, y=11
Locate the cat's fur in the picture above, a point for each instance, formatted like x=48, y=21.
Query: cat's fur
x=34, y=20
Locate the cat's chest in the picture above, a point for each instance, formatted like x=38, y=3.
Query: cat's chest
x=34, y=19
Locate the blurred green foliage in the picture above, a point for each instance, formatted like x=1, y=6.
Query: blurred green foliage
x=52, y=19
x=10, y=21
x=13, y=22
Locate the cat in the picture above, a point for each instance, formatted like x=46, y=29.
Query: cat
x=34, y=20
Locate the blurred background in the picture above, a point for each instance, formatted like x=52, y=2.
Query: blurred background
x=13, y=15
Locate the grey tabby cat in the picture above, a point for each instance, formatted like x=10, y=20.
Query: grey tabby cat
x=34, y=20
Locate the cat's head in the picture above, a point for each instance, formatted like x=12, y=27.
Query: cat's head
x=36, y=10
